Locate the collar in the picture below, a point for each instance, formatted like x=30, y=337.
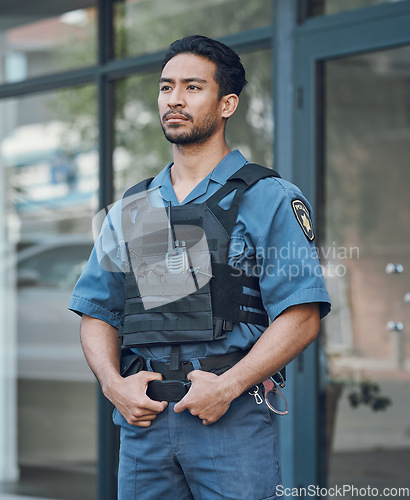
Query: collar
x=230, y=164
x=227, y=167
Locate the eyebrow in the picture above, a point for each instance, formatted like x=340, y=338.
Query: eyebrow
x=184, y=80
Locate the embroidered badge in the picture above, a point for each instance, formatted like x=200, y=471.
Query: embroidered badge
x=303, y=217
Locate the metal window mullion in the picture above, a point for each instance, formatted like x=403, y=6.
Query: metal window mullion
x=105, y=32
x=105, y=93
x=108, y=440
x=105, y=102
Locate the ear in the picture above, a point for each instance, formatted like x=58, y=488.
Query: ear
x=229, y=104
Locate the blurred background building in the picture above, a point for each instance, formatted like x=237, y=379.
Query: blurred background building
x=327, y=105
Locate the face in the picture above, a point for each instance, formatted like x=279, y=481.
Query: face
x=189, y=108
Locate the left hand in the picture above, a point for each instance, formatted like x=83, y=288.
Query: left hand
x=207, y=398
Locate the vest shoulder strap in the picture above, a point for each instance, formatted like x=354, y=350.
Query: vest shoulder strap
x=138, y=188
x=240, y=181
x=251, y=173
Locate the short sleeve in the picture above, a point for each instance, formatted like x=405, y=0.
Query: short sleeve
x=290, y=271
x=99, y=292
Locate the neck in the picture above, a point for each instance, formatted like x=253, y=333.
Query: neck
x=194, y=162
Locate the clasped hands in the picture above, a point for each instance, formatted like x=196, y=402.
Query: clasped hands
x=207, y=398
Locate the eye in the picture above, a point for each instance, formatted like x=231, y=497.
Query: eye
x=164, y=88
x=193, y=87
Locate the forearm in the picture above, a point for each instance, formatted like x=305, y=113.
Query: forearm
x=281, y=342
x=101, y=348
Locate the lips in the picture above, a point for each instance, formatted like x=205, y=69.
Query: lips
x=173, y=117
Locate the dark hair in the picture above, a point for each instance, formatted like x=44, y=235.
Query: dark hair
x=229, y=75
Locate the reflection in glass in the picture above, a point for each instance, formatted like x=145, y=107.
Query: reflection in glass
x=141, y=150
x=367, y=226
x=325, y=7
x=147, y=26
x=49, y=164
x=36, y=41
x=251, y=128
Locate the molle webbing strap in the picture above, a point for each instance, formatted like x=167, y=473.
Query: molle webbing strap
x=250, y=281
x=188, y=305
x=230, y=306
x=161, y=323
x=174, y=358
x=178, y=289
x=251, y=317
x=251, y=301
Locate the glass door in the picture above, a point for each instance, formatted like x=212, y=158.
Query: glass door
x=365, y=250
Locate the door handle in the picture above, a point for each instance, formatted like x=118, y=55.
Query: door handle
x=395, y=326
x=394, y=268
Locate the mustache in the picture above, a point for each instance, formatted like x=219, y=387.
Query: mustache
x=172, y=111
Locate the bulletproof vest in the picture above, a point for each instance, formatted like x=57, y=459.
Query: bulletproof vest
x=179, y=286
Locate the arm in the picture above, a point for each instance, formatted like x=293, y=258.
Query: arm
x=102, y=351
x=211, y=395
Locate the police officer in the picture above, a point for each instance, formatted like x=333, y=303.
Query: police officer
x=199, y=432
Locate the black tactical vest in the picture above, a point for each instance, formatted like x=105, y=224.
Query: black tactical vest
x=178, y=285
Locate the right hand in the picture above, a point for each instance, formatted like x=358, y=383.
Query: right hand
x=129, y=396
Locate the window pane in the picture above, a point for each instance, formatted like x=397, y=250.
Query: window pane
x=40, y=38
x=49, y=167
x=325, y=7
x=251, y=128
x=140, y=147
x=139, y=24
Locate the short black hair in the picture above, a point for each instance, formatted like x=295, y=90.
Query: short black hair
x=230, y=73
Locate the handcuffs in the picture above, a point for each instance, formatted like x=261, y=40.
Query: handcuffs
x=270, y=385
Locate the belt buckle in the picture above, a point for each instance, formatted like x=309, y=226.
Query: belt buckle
x=168, y=390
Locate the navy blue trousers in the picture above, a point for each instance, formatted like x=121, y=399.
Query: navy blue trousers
x=179, y=458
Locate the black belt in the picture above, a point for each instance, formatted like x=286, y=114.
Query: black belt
x=214, y=364
x=174, y=384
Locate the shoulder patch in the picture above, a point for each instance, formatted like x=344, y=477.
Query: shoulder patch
x=303, y=217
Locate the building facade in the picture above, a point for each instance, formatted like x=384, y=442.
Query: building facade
x=327, y=105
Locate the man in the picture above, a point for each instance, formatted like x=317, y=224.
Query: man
x=212, y=440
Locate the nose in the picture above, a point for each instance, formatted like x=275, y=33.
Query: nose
x=175, y=98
